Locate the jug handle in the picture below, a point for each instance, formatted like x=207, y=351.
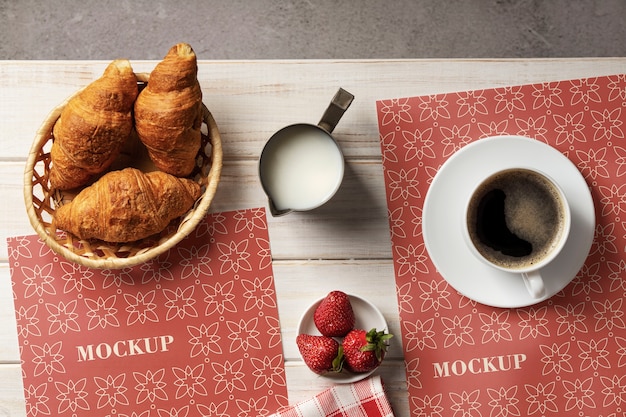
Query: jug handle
x=335, y=110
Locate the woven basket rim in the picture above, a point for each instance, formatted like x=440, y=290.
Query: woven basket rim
x=200, y=209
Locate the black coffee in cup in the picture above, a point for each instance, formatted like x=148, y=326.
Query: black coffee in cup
x=516, y=218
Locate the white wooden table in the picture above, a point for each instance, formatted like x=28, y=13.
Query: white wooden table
x=343, y=245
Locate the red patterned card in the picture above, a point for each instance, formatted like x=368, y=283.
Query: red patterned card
x=565, y=356
x=192, y=333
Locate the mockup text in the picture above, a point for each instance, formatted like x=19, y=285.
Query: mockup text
x=123, y=348
x=479, y=365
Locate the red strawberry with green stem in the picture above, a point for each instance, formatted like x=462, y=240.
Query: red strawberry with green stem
x=320, y=353
x=334, y=316
x=364, y=351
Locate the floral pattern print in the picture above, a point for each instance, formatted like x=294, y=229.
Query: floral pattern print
x=194, y=332
x=571, y=348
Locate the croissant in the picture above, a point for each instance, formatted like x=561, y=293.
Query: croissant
x=127, y=205
x=93, y=127
x=168, y=112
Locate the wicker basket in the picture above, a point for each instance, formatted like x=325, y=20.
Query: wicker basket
x=41, y=200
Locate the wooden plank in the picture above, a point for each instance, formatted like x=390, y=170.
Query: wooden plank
x=252, y=99
x=11, y=391
x=352, y=225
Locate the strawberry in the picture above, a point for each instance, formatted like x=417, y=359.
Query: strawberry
x=334, y=316
x=320, y=353
x=364, y=351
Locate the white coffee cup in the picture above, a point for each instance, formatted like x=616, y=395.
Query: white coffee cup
x=517, y=220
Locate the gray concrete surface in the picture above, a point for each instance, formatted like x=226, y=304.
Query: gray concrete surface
x=300, y=29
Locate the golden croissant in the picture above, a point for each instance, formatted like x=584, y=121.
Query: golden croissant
x=168, y=112
x=93, y=127
x=127, y=205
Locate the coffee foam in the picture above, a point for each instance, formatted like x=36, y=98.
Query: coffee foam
x=533, y=211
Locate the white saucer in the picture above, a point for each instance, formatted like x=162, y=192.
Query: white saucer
x=366, y=316
x=442, y=217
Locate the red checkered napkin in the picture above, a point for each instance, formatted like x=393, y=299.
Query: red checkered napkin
x=365, y=398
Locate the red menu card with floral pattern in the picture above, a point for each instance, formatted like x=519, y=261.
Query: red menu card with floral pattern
x=193, y=333
x=565, y=356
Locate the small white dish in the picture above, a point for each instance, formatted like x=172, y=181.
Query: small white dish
x=367, y=316
x=442, y=216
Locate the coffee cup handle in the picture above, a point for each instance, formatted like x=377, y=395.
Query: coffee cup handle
x=534, y=283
